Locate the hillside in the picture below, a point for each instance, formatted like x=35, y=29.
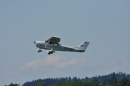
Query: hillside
x=118, y=79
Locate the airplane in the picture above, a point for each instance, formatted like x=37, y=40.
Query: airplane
x=52, y=45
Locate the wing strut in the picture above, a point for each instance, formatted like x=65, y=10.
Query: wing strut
x=47, y=44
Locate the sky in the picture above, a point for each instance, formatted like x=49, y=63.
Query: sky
x=103, y=23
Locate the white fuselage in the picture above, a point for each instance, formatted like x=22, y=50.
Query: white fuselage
x=56, y=47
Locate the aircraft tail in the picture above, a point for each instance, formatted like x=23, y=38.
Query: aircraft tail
x=83, y=46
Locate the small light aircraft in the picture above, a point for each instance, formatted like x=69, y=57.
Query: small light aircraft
x=52, y=45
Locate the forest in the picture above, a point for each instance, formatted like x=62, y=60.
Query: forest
x=113, y=79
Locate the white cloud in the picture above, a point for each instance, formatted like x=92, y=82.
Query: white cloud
x=57, y=61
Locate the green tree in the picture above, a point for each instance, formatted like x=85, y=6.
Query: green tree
x=112, y=80
x=128, y=84
x=95, y=82
x=41, y=84
x=14, y=84
x=123, y=82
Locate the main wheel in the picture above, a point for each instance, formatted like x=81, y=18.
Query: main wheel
x=39, y=51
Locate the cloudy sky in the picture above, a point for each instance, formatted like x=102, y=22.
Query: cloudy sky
x=104, y=23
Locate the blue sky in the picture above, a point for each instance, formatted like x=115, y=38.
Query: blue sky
x=105, y=24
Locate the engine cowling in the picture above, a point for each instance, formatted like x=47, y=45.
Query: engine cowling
x=50, y=51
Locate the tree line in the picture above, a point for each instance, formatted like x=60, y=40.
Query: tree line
x=113, y=79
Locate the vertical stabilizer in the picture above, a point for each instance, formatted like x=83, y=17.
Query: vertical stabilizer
x=83, y=46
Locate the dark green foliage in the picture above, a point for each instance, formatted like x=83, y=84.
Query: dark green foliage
x=95, y=82
x=73, y=83
x=13, y=84
x=41, y=84
x=124, y=82
x=113, y=79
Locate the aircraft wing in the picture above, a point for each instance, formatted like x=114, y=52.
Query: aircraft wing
x=54, y=39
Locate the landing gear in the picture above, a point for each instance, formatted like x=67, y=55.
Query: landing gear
x=39, y=50
x=50, y=51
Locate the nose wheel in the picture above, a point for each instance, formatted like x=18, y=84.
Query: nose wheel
x=39, y=50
